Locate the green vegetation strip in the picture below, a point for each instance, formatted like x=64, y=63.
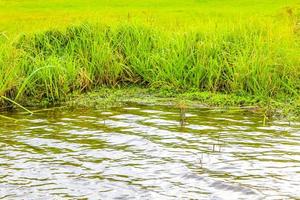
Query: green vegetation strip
x=254, y=60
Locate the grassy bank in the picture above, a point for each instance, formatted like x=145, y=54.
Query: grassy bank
x=255, y=57
x=245, y=60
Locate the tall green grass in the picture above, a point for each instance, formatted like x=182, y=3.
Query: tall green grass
x=255, y=58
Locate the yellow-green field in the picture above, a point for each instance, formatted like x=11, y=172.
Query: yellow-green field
x=49, y=49
x=30, y=15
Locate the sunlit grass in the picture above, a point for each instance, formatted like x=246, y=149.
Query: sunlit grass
x=50, y=49
x=30, y=16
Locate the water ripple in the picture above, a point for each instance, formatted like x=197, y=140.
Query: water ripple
x=148, y=152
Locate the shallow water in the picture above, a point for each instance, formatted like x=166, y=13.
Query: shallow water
x=148, y=152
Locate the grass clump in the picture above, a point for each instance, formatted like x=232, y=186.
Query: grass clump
x=244, y=60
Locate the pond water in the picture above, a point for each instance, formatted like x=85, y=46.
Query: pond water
x=148, y=152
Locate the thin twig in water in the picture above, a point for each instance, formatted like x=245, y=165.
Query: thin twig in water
x=20, y=106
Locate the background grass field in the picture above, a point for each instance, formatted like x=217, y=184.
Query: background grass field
x=30, y=15
x=49, y=49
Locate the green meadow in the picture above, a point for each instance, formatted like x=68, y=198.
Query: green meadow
x=30, y=16
x=51, y=49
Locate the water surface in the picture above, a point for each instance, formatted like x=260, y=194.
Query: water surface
x=148, y=152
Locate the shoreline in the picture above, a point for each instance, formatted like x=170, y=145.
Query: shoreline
x=114, y=97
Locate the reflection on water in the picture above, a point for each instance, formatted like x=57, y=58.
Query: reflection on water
x=148, y=152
